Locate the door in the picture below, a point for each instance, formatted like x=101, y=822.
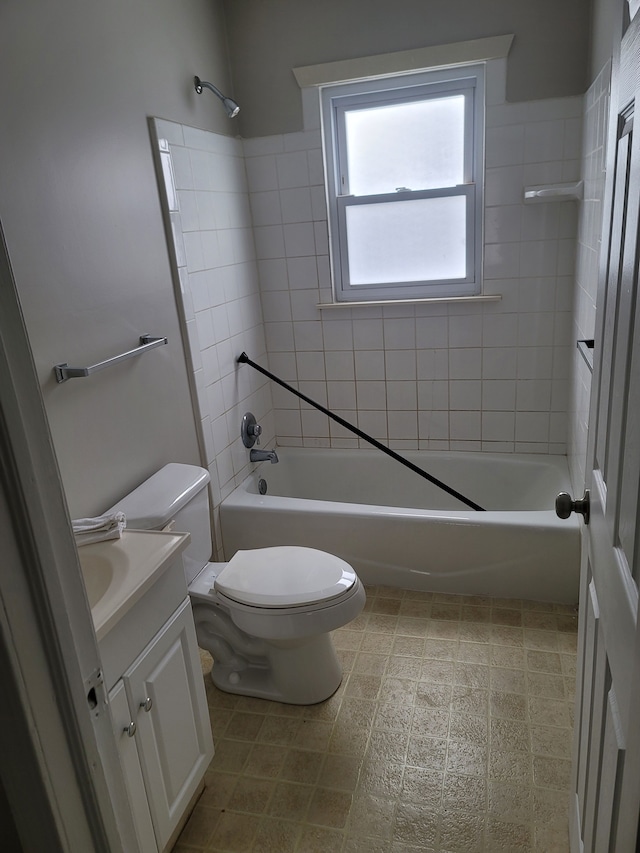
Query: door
x=125, y=738
x=167, y=701
x=606, y=768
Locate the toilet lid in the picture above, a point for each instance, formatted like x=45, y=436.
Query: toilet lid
x=284, y=576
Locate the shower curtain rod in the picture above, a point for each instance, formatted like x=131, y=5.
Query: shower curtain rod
x=243, y=358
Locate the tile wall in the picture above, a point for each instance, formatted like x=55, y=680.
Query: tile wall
x=207, y=205
x=470, y=376
x=250, y=250
x=596, y=113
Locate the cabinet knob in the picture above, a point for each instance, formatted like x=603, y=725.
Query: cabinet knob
x=147, y=705
x=130, y=730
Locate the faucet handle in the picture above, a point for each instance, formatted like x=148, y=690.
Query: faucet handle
x=250, y=431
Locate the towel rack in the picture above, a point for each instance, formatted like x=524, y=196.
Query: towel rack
x=147, y=342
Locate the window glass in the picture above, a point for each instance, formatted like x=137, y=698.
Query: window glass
x=415, y=145
x=422, y=240
x=404, y=159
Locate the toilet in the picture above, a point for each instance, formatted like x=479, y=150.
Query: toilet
x=265, y=616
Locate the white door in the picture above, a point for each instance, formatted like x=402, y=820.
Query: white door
x=606, y=767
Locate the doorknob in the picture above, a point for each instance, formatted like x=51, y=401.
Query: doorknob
x=565, y=505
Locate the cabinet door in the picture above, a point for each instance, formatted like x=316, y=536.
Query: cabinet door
x=130, y=761
x=166, y=694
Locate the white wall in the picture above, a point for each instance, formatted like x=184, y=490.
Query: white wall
x=217, y=285
x=468, y=376
x=80, y=207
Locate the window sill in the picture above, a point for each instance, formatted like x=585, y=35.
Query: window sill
x=492, y=297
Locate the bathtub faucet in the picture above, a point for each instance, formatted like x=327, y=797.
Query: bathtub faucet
x=262, y=456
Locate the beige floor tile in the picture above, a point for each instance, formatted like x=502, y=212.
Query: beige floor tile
x=416, y=824
x=513, y=768
x=551, y=741
x=329, y=808
x=508, y=680
x=276, y=836
x=302, y=766
x=427, y=752
x=440, y=671
x=290, y=801
x=317, y=840
x=450, y=733
x=468, y=759
x=553, y=773
x=251, y=795
x=424, y=786
x=508, y=836
x=380, y=778
x=393, y=717
x=201, y=827
x=404, y=667
x=462, y=832
x=469, y=728
x=509, y=802
x=474, y=632
x=353, y=844
x=265, y=760
x=511, y=706
x=235, y=833
x=465, y=793
x=371, y=816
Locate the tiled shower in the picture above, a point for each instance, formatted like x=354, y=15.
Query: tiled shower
x=250, y=250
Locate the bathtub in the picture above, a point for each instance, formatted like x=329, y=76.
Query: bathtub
x=397, y=529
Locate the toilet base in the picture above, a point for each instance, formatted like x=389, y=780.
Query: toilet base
x=293, y=672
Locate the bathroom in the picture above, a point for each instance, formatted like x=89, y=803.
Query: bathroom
x=84, y=229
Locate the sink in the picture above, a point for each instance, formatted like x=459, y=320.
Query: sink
x=118, y=572
x=97, y=572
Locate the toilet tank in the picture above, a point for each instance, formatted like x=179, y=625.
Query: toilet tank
x=177, y=495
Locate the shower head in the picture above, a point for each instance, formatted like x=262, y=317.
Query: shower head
x=229, y=104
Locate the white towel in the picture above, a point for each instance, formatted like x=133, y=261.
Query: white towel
x=87, y=530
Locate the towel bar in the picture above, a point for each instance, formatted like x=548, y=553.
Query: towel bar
x=147, y=342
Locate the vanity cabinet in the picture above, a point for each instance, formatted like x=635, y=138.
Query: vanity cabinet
x=159, y=708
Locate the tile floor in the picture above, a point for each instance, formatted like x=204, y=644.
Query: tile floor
x=451, y=732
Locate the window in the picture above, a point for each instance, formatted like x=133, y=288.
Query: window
x=404, y=161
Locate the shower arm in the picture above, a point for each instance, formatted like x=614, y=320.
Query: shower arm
x=201, y=83
x=243, y=358
x=229, y=104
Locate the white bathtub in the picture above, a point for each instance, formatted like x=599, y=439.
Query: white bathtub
x=397, y=529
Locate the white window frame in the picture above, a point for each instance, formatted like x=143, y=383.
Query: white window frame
x=468, y=80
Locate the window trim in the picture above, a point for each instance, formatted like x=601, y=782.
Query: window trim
x=336, y=100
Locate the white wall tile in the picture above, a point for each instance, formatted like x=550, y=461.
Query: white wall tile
x=369, y=364
x=401, y=396
x=292, y=170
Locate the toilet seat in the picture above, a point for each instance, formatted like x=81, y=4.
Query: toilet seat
x=284, y=577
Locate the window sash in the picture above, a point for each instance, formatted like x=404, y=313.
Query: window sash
x=407, y=289
x=337, y=100
x=429, y=91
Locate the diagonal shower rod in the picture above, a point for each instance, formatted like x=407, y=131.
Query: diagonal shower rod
x=243, y=358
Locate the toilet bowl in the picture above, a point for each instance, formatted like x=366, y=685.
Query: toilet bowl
x=265, y=616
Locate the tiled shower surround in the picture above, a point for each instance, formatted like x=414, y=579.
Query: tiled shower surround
x=596, y=125
x=466, y=376
x=250, y=250
x=451, y=733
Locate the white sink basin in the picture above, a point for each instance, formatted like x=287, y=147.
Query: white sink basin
x=118, y=572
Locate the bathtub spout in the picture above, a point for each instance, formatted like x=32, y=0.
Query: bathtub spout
x=262, y=456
